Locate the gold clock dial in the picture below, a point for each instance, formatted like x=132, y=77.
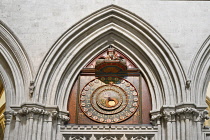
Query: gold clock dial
x=109, y=99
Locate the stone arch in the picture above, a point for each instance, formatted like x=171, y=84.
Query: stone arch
x=15, y=69
x=199, y=73
x=128, y=33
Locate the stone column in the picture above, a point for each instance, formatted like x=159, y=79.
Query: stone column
x=200, y=123
x=8, y=117
x=58, y=136
x=34, y=121
x=156, y=121
x=37, y=113
x=62, y=118
x=17, y=126
x=169, y=119
x=181, y=122
x=30, y=118
x=49, y=120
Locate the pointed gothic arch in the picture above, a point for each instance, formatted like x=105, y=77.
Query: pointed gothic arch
x=15, y=69
x=199, y=73
x=131, y=35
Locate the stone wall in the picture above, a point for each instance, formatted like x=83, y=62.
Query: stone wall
x=38, y=24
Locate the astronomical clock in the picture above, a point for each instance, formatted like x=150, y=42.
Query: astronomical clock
x=110, y=90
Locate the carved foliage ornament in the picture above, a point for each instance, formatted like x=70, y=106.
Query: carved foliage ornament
x=182, y=113
x=38, y=111
x=111, y=64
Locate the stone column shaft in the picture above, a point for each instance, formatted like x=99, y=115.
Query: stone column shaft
x=8, y=117
x=183, y=123
x=35, y=125
x=17, y=127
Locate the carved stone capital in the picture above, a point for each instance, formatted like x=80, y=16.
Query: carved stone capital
x=155, y=118
x=64, y=118
x=33, y=111
x=8, y=117
x=203, y=115
x=169, y=115
x=36, y=110
x=23, y=111
x=187, y=113
x=181, y=113
x=54, y=114
x=14, y=113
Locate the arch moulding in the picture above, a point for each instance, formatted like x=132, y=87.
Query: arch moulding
x=199, y=74
x=129, y=34
x=15, y=73
x=15, y=69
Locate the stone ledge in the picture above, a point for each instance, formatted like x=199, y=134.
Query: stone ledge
x=109, y=128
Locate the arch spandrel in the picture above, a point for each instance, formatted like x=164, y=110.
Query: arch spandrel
x=128, y=33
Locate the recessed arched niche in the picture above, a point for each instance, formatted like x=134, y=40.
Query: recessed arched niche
x=110, y=89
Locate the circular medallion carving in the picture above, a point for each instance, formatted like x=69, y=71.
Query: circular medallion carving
x=109, y=99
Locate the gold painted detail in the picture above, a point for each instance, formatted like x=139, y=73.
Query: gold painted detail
x=109, y=99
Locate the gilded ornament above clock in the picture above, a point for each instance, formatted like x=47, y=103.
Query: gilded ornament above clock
x=112, y=63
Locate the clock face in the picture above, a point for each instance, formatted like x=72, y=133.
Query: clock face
x=109, y=99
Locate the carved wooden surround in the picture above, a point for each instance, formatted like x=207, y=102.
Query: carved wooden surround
x=106, y=94
x=129, y=115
